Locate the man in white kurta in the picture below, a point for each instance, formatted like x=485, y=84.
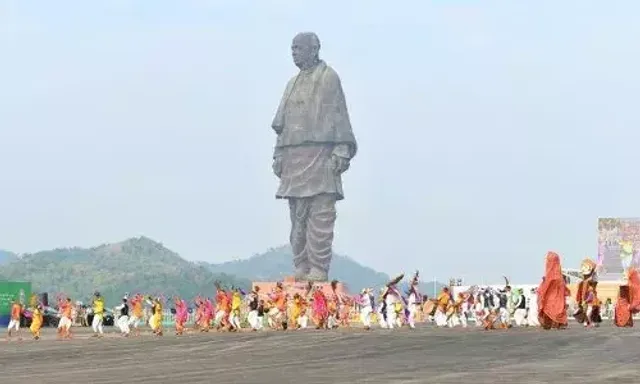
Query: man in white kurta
x=366, y=308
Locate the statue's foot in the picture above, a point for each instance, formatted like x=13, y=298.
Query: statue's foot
x=301, y=272
x=317, y=274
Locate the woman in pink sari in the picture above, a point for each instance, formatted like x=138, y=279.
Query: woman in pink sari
x=207, y=315
x=182, y=313
x=320, y=310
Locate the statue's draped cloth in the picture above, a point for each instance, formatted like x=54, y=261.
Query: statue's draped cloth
x=313, y=125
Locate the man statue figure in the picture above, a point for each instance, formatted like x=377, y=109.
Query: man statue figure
x=314, y=147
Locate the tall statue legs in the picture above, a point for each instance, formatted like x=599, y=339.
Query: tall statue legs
x=312, y=223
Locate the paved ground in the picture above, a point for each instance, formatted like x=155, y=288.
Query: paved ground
x=426, y=355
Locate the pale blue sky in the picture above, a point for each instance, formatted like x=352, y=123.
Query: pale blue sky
x=489, y=132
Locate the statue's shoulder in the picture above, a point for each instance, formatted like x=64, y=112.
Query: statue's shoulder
x=331, y=73
x=292, y=80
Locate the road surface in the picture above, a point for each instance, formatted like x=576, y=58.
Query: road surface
x=425, y=355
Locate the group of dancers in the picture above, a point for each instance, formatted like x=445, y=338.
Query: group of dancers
x=234, y=310
x=553, y=294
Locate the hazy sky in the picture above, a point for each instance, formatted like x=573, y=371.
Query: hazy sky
x=489, y=132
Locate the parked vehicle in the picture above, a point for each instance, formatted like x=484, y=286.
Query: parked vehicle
x=108, y=320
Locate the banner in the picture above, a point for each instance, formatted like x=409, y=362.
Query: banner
x=11, y=290
x=618, y=246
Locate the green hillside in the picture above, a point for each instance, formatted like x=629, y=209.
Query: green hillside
x=143, y=265
x=135, y=265
x=276, y=263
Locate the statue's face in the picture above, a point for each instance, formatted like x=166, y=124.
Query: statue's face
x=303, y=50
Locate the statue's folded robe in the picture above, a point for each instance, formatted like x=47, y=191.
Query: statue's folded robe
x=313, y=124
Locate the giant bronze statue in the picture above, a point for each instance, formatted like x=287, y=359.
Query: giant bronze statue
x=314, y=147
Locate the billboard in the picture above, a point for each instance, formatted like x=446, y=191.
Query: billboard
x=9, y=291
x=618, y=246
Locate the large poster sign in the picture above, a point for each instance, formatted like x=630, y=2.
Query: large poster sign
x=9, y=291
x=618, y=246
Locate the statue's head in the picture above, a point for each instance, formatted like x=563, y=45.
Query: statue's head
x=305, y=49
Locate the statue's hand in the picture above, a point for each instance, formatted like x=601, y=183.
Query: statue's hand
x=277, y=166
x=340, y=164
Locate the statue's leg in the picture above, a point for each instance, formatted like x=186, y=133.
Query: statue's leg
x=320, y=224
x=299, y=211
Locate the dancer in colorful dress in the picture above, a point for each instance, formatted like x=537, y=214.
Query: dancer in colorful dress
x=393, y=302
x=504, y=306
x=157, y=313
x=586, y=295
x=320, y=310
x=443, y=300
x=223, y=307
x=478, y=309
x=455, y=313
x=366, y=308
x=552, y=294
x=303, y=318
x=261, y=312
x=64, y=325
x=182, y=314
x=236, y=302
x=123, y=317
x=628, y=302
x=381, y=310
x=278, y=312
x=297, y=308
x=332, y=306
x=207, y=314
x=37, y=318
x=532, y=308
x=98, y=315
x=14, y=323
x=413, y=300
x=520, y=309
x=345, y=307
x=137, y=313
x=199, y=313
x=254, y=300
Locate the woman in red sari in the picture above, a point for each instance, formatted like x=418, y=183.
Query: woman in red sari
x=628, y=301
x=552, y=293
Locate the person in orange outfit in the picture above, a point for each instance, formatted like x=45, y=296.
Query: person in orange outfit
x=14, y=323
x=137, y=313
x=552, y=293
x=64, y=325
x=628, y=302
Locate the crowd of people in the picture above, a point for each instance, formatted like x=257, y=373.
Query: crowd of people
x=234, y=310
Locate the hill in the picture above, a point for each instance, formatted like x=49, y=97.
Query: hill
x=134, y=265
x=276, y=263
x=7, y=257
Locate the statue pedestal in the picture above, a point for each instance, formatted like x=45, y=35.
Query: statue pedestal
x=293, y=286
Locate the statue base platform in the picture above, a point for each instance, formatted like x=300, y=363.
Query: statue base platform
x=293, y=286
